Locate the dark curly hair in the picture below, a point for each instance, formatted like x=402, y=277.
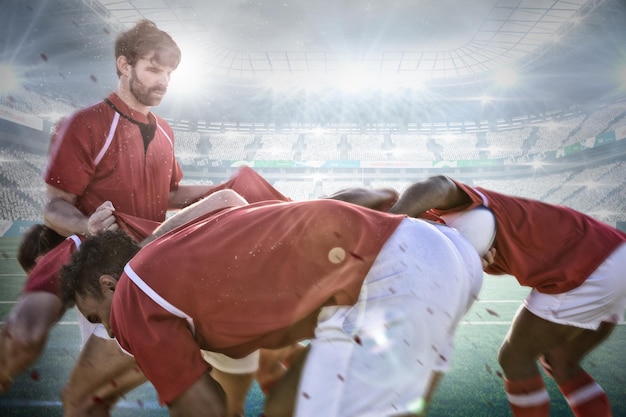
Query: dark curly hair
x=142, y=40
x=36, y=241
x=104, y=254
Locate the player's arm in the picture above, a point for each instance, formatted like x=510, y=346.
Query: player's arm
x=185, y=195
x=378, y=199
x=437, y=192
x=205, y=398
x=61, y=215
x=23, y=336
x=101, y=375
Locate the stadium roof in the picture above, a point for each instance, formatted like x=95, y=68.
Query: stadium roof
x=435, y=39
x=65, y=47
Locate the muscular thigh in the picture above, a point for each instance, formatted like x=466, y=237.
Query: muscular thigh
x=281, y=399
x=534, y=336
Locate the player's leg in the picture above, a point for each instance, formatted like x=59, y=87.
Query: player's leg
x=235, y=376
x=527, y=339
x=101, y=375
x=563, y=362
x=274, y=363
x=281, y=396
x=562, y=329
x=583, y=394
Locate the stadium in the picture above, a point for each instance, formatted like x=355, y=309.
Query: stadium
x=525, y=97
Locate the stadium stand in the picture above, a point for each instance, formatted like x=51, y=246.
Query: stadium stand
x=321, y=147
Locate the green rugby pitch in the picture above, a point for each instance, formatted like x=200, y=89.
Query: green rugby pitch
x=472, y=388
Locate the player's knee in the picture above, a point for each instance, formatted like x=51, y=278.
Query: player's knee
x=509, y=356
x=504, y=354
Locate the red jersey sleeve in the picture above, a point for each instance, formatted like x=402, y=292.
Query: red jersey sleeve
x=71, y=156
x=251, y=186
x=45, y=275
x=162, y=343
x=548, y=247
x=137, y=228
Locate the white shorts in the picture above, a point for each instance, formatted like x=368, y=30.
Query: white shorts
x=245, y=365
x=602, y=297
x=376, y=358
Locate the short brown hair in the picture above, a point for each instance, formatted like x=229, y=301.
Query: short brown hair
x=146, y=38
x=36, y=241
x=104, y=254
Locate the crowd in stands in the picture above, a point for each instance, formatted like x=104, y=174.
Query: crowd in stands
x=28, y=102
x=22, y=191
x=598, y=191
x=534, y=137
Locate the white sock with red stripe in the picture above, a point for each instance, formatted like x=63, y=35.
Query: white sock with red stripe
x=528, y=397
x=585, y=397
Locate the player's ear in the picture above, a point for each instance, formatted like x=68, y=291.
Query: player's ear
x=122, y=64
x=107, y=283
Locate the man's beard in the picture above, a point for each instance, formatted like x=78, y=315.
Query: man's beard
x=144, y=94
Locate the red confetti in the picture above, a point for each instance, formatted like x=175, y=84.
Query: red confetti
x=500, y=374
x=93, y=78
x=340, y=377
x=44, y=56
x=114, y=383
x=493, y=313
x=97, y=400
x=5, y=255
x=34, y=375
x=140, y=403
x=357, y=339
x=305, y=395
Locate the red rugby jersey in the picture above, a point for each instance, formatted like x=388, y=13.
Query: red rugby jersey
x=99, y=155
x=247, y=278
x=548, y=247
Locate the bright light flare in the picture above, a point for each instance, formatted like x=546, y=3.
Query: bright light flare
x=192, y=73
x=10, y=80
x=506, y=77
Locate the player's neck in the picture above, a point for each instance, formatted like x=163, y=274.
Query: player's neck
x=131, y=101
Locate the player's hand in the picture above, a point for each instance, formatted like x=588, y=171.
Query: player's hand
x=102, y=219
x=488, y=258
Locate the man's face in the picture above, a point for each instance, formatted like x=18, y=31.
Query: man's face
x=149, y=80
x=97, y=310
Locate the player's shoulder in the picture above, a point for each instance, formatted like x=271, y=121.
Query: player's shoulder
x=90, y=113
